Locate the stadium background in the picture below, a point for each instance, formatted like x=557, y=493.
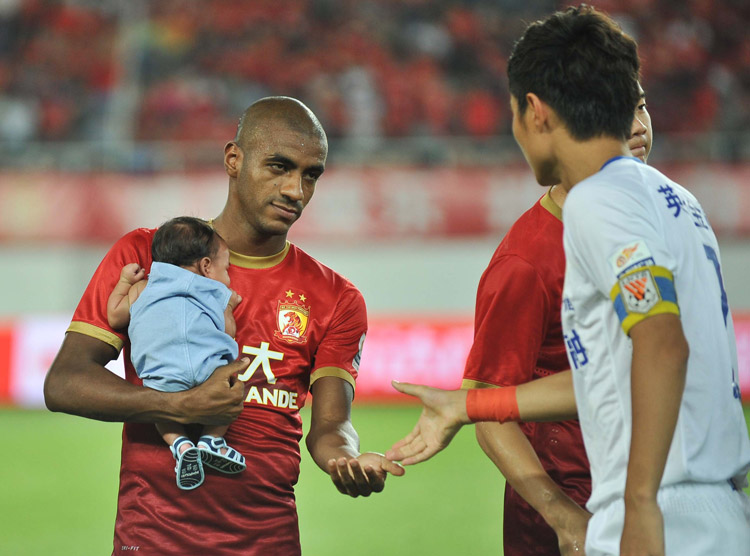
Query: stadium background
x=113, y=115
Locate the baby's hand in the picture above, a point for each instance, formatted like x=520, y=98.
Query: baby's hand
x=132, y=273
x=234, y=300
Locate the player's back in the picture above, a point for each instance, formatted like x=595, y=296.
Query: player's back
x=714, y=434
x=638, y=244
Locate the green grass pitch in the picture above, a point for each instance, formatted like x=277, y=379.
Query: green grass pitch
x=59, y=476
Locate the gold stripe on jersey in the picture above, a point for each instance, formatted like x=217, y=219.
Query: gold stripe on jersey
x=467, y=384
x=657, y=277
x=95, y=332
x=246, y=261
x=550, y=205
x=331, y=371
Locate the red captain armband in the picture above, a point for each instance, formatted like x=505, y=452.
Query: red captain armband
x=492, y=404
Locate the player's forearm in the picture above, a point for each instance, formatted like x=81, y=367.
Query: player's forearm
x=332, y=440
x=546, y=399
x=89, y=392
x=79, y=384
x=331, y=435
x=659, y=366
x=513, y=455
x=551, y=398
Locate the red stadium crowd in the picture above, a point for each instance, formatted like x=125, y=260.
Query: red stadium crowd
x=171, y=70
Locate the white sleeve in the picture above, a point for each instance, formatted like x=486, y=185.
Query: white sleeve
x=614, y=237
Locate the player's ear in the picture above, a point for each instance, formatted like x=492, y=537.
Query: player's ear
x=539, y=112
x=232, y=159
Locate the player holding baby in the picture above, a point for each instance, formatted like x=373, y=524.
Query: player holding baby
x=181, y=328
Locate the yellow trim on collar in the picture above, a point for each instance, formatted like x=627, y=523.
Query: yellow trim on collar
x=246, y=261
x=551, y=205
x=95, y=332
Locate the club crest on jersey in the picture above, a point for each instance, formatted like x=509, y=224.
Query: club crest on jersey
x=291, y=322
x=630, y=256
x=639, y=291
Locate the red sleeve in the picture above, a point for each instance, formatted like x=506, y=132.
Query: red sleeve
x=90, y=316
x=511, y=317
x=341, y=349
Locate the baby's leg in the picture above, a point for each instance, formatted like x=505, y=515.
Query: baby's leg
x=171, y=432
x=189, y=467
x=217, y=431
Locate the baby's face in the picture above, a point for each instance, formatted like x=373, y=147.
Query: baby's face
x=219, y=267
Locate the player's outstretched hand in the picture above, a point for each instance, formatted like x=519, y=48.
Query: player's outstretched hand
x=220, y=399
x=363, y=475
x=443, y=414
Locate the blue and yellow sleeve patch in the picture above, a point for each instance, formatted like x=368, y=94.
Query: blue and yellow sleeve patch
x=644, y=292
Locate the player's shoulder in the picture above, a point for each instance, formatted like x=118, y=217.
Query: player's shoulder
x=318, y=272
x=134, y=246
x=622, y=184
x=534, y=236
x=543, y=216
x=138, y=236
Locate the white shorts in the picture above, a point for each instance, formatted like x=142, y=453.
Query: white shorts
x=699, y=520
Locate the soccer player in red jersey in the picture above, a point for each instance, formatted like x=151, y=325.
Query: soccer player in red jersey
x=300, y=328
x=544, y=464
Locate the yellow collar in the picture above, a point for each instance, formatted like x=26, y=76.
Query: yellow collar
x=550, y=205
x=246, y=261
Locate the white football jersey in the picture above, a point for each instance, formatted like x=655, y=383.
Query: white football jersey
x=638, y=244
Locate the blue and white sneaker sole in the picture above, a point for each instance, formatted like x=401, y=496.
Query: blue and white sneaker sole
x=220, y=463
x=189, y=469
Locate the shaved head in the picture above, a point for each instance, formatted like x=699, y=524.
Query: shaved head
x=288, y=112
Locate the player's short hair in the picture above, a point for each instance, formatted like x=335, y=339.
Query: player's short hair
x=581, y=63
x=184, y=240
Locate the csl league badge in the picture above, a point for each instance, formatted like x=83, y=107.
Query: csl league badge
x=291, y=322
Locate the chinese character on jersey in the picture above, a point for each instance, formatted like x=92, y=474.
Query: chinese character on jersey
x=673, y=200
x=576, y=350
x=698, y=218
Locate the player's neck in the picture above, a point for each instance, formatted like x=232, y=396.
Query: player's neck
x=244, y=240
x=558, y=193
x=577, y=160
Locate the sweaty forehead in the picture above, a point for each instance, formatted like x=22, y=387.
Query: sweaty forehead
x=286, y=140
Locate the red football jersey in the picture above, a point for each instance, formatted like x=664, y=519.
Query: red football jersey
x=298, y=321
x=517, y=338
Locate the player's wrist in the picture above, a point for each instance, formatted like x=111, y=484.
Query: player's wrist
x=496, y=404
x=178, y=407
x=458, y=404
x=561, y=512
x=637, y=497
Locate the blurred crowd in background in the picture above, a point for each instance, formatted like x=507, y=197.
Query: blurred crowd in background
x=374, y=71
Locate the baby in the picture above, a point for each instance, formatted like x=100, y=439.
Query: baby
x=181, y=329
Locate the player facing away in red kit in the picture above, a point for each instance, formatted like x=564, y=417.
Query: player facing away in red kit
x=300, y=328
x=544, y=464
